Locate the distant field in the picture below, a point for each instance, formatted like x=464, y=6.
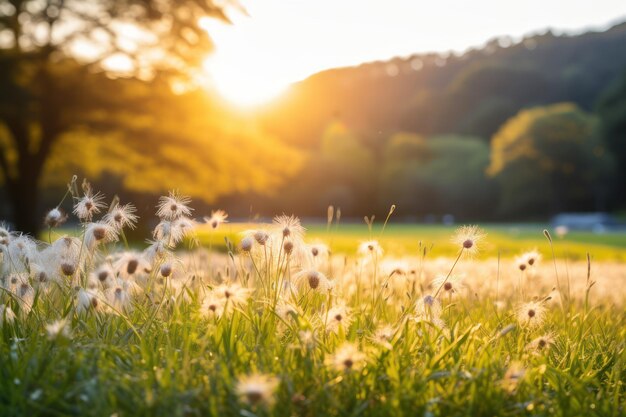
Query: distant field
x=403, y=240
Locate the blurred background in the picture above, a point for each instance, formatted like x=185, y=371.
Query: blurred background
x=453, y=111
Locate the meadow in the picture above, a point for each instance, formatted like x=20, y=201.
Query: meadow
x=402, y=239
x=340, y=320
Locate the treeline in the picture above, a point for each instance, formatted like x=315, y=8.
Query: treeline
x=508, y=131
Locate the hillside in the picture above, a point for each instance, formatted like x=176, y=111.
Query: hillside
x=472, y=93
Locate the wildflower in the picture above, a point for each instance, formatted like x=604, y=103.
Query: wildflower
x=118, y=297
x=531, y=314
x=521, y=262
x=99, y=233
x=532, y=257
x=246, y=244
x=105, y=275
x=233, y=293
x=391, y=267
x=449, y=284
x=21, y=249
x=289, y=226
x=213, y=305
x=14, y=280
x=42, y=273
x=55, y=218
x=174, y=231
x=383, y=336
x=319, y=251
x=311, y=280
x=58, y=329
x=261, y=237
x=89, y=205
x=6, y=314
x=181, y=227
x=288, y=246
x=157, y=249
x=173, y=206
x=130, y=265
x=541, y=343
x=68, y=269
x=257, y=389
x=348, y=358
x=87, y=300
x=468, y=239
x=427, y=308
x=26, y=296
x=513, y=376
x=66, y=248
x=338, y=316
x=217, y=218
x=121, y=216
x=166, y=269
x=370, y=248
x=285, y=310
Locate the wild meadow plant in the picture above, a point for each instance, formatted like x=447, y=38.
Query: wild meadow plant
x=280, y=326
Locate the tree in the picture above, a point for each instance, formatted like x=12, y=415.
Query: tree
x=49, y=51
x=457, y=171
x=444, y=174
x=612, y=111
x=549, y=159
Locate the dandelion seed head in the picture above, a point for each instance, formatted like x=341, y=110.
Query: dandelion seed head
x=68, y=269
x=370, y=248
x=55, y=218
x=289, y=226
x=246, y=244
x=58, y=329
x=531, y=314
x=541, y=343
x=383, y=336
x=217, y=218
x=166, y=269
x=468, y=239
x=261, y=237
x=338, y=316
x=88, y=205
x=121, y=217
x=532, y=257
x=257, y=389
x=173, y=206
x=347, y=358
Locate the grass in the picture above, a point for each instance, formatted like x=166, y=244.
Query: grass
x=346, y=337
x=399, y=240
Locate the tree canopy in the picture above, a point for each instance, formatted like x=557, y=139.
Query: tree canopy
x=112, y=86
x=548, y=159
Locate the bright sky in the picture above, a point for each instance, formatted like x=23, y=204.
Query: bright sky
x=283, y=41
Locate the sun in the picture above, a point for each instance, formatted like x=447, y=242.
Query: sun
x=240, y=68
x=241, y=82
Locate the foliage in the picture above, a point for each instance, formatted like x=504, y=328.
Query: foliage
x=440, y=175
x=612, y=112
x=90, y=328
x=471, y=93
x=65, y=111
x=550, y=158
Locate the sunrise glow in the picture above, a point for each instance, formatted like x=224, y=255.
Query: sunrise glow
x=274, y=42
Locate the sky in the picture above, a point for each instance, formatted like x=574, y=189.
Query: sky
x=278, y=42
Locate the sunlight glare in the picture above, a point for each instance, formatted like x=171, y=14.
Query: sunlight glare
x=241, y=83
x=239, y=69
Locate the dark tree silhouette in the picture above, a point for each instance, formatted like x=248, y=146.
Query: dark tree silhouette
x=53, y=55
